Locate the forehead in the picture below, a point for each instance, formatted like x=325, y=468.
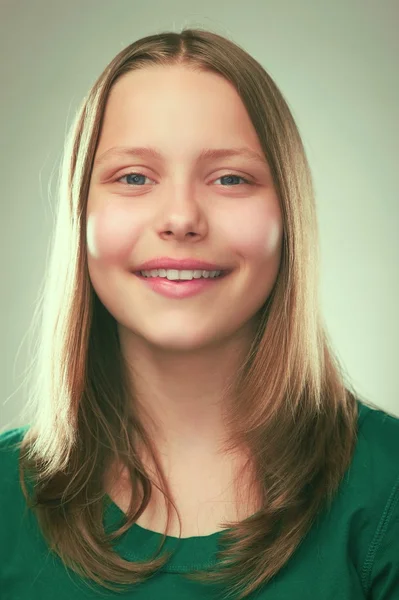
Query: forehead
x=164, y=86
x=177, y=105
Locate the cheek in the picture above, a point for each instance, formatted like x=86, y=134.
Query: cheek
x=111, y=235
x=256, y=235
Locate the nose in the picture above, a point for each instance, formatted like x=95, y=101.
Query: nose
x=182, y=217
x=180, y=231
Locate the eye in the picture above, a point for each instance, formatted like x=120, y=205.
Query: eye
x=233, y=176
x=136, y=179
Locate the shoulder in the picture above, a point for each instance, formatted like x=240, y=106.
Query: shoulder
x=10, y=441
x=373, y=476
x=377, y=449
x=372, y=493
x=376, y=422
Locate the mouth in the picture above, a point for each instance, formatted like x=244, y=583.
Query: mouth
x=220, y=275
x=181, y=288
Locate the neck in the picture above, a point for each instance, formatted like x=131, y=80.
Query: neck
x=183, y=396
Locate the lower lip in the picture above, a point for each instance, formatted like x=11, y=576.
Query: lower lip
x=180, y=289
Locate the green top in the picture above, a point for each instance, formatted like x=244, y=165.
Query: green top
x=350, y=553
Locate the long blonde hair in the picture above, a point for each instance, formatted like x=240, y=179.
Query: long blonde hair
x=292, y=408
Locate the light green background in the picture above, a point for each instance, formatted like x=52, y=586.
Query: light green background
x=337, y=65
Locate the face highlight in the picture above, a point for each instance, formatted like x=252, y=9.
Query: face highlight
x=178, y=204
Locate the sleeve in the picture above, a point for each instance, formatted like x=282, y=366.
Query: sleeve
x=381, y=568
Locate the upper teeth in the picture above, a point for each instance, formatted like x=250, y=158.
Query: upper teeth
x=175, y=274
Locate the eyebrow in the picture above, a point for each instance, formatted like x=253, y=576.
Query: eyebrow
x=154, y=153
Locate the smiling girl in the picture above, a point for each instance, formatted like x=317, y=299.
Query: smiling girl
x=187, y=396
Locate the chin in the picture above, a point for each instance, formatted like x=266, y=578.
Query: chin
x=180, y=339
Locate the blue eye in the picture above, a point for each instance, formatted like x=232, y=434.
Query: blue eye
x=232, y=176
x=135, y=177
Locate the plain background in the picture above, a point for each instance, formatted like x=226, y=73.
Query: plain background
x=336, y=64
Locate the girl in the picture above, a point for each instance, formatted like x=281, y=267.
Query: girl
x=184, y=361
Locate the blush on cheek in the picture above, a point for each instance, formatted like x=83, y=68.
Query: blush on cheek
x=110, y=235
x=259, y=236
x=273, y=237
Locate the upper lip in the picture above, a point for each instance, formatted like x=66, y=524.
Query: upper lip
x=190, y=264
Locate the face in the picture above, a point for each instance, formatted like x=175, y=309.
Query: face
x=223, y=210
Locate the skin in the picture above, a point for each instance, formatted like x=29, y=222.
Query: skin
x=182, y=351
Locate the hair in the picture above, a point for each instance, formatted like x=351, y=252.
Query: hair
x=292, y=407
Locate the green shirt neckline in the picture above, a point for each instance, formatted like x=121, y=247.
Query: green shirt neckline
x=196, y=552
